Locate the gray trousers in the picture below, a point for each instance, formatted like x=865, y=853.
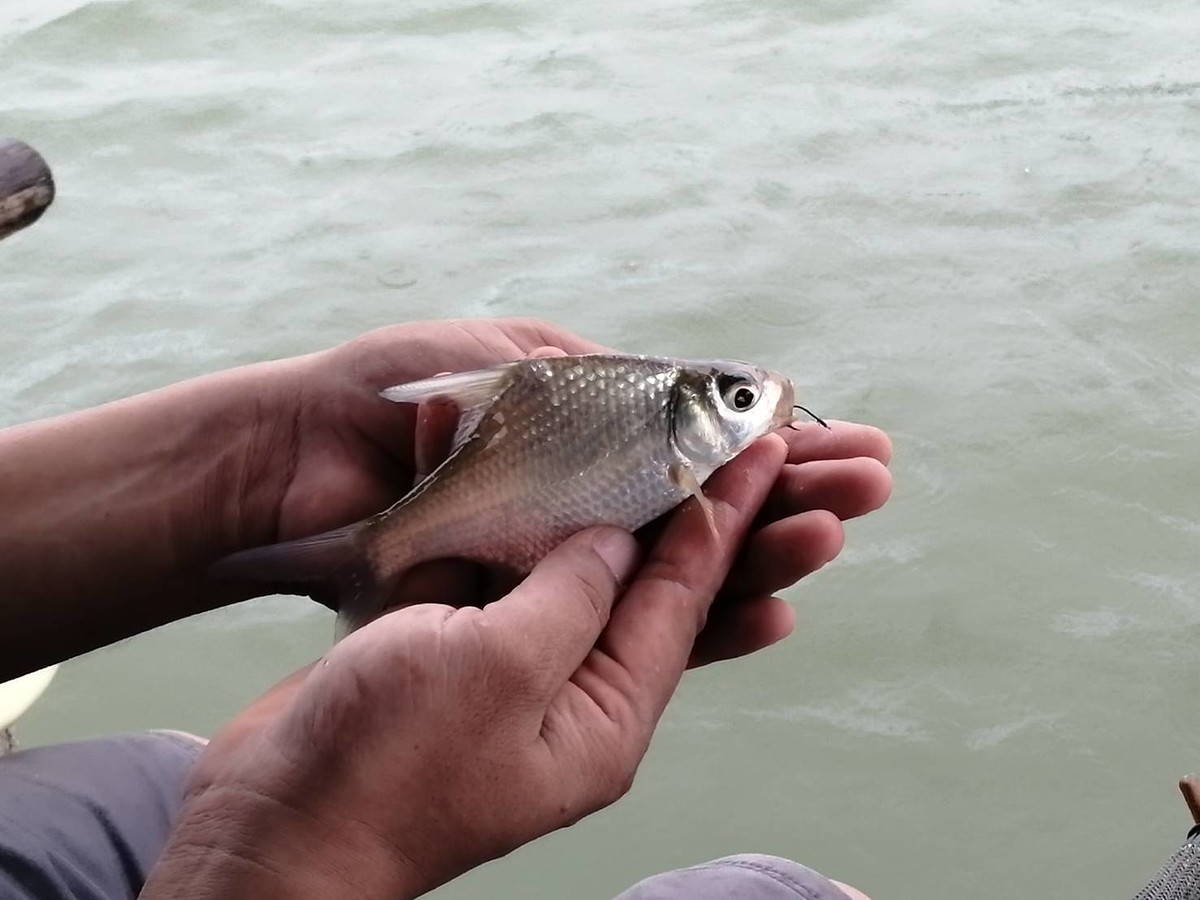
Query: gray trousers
x=86, y=821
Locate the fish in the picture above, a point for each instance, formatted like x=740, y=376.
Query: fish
x=543, y=448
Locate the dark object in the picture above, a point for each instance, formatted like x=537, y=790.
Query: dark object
x=26, y=186
x=1179, y=878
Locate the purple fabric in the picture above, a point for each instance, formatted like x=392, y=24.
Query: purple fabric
x=87, y=820
x=747, y=876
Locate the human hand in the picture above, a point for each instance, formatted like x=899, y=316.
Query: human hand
x=343, y=453
x=830, y=476
x=436, y=738
x=350, y=455
x=258, y=454
x=146, y=493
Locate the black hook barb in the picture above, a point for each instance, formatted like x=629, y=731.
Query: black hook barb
x=814, y=416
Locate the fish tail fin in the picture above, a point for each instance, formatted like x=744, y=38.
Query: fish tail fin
x=334, y=568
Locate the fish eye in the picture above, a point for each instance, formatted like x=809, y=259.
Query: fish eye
x=738, y=393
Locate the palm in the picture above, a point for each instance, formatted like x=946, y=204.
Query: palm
x=492, y=726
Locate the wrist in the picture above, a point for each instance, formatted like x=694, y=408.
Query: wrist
x=113, y=514
x=238, y=450
x=237, y=842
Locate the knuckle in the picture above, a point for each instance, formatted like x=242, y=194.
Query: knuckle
x=535, y=324
x=674, y=572
x=615, y=765
x=521, y=666
x=616, y=781
x=686, y=585
x=595, y=584
x=524, y=673
x=734, y=511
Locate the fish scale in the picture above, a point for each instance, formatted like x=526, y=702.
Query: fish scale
x=602, y=468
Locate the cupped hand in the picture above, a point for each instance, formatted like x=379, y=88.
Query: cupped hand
x=350, y=454
x=831, y=475
x=436, y=738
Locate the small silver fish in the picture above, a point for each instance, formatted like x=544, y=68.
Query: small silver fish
x=543, y=448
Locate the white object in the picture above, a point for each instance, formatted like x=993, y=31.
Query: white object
x=18, y=695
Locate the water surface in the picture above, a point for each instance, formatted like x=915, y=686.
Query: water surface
x=972, y=224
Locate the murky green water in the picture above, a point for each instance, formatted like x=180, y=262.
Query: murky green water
x=973, y=224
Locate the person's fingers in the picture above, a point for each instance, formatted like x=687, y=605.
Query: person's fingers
x=852, y=893
x=436, y=423
x=551, y=620
x=421, y=349
x=429, y=348
x=841, y=440
x=653, y=628
x=741, y=627
x=545, y=353
x=432, y=437
x=781, y=553
x=534, y=333
x=846, y=487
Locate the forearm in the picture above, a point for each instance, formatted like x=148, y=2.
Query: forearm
x=233, y=844
x=109, y=516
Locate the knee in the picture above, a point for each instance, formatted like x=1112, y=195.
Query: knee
x=806, y=882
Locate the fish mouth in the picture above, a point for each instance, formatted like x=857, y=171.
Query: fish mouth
x=786, y=406
x=785, y=403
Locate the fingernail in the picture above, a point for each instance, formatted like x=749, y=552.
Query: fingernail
x=546, y=353
x=619, y=551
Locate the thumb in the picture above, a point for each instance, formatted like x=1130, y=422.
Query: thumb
x=552, y=620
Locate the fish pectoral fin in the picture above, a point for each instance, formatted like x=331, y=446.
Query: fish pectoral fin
x=684, y=476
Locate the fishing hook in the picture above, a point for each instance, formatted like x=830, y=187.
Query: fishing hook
x=815, y=417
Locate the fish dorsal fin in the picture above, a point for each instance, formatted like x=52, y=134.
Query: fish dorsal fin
x=472, y=392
